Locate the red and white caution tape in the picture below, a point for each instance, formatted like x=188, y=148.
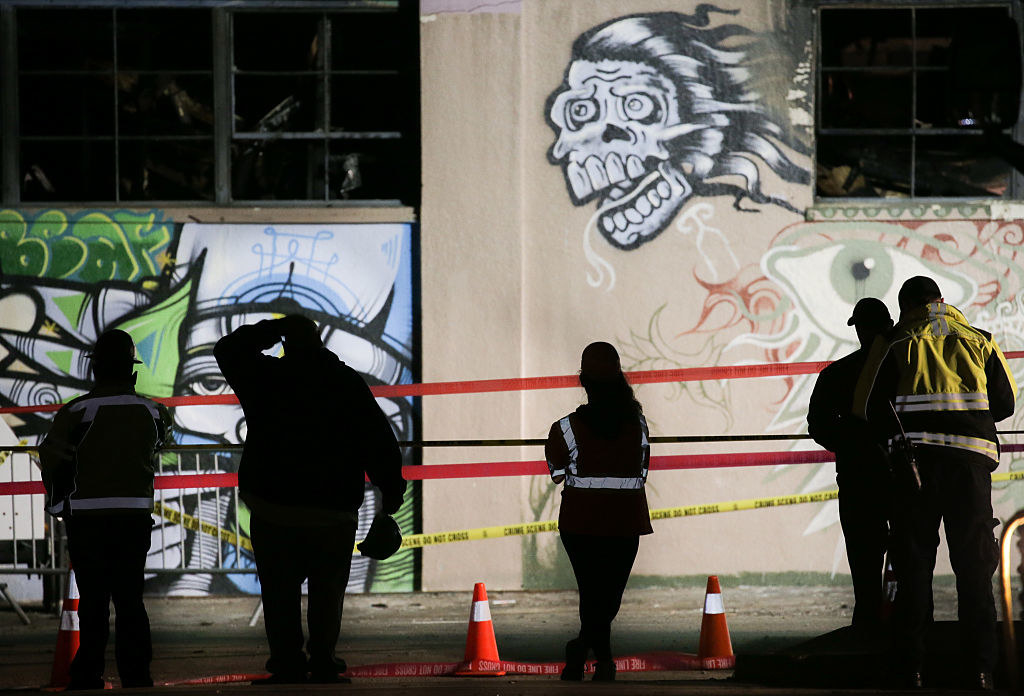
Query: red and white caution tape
x=645, y=662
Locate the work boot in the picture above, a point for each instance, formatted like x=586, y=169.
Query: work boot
x=328, y=671
x=575, y=660
x=604, y=670
x=86, y=684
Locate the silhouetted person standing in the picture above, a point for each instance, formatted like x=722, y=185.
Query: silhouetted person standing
x=312, y=429
x=861, y=463
x=98, y=464
x=949, y=384
x=602, y=452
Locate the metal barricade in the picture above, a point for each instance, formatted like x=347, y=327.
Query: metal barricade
x=27, y=540
x=30, y=544
x=196, y=533
x=1009, y=634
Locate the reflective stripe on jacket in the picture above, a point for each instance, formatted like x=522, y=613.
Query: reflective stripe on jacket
x=98, y=454
x=604, y=476
x=574, y=479
x=947, y=381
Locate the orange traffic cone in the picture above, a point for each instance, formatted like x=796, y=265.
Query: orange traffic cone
x=715, y=649
x=67, y=637
x=888, y=591
x=481, y=648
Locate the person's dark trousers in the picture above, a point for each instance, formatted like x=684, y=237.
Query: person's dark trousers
x=601, y=565
x=108, y=554
x=863, y=513
x=957, y=489
x=285, y=557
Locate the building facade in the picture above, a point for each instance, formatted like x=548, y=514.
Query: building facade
x=465, y=190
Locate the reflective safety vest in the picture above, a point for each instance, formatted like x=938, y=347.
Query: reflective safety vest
x=98, y=455
x=604, y=477
x=947, y=382
x=573, y=477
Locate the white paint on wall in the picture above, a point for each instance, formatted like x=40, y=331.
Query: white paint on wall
x=432, y=7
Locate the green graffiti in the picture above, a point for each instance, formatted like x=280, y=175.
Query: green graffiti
x=91, y=246
x=155, y=333
x=396, y=574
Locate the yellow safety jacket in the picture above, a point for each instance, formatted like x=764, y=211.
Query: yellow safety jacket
x=947, y=382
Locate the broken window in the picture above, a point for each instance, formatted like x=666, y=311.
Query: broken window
x=917, y=102
x=115, y=104
x=327, y=108
x=120, y=103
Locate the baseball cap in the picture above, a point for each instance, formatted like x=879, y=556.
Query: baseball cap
x=869, y=310
x=917, y=291
x=115, y=346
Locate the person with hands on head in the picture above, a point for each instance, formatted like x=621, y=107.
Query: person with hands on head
x=601, y=452
x=313, y=431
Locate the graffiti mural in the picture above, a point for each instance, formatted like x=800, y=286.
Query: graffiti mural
x=177, y=289
x=793, y=307
x=658, y=109
x=355, y=281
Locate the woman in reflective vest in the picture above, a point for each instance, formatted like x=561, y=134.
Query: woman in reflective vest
x=601, y=452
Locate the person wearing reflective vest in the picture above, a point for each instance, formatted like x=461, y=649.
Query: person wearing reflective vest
x=97, y=464
x=941, y=384
x=602, y=453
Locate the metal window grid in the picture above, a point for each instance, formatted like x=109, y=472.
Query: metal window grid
x=222, y=73
x=1016, y=184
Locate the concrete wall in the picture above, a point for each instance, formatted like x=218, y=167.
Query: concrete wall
x=521, y=270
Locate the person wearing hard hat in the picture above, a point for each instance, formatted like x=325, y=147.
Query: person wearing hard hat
x=602, y=452
x=861, y=463
x=936, y=387
x=97, y=463
x=313, y=431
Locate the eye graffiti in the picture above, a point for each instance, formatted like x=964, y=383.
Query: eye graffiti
x=826, y=281
x=653, y=110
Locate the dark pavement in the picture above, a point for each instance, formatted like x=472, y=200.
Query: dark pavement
x=770, y=628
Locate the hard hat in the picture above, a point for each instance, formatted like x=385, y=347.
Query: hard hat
x=115, y=346
x=383, y=539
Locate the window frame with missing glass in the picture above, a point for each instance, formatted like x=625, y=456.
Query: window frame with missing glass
x=331, y=142
x=225, y=138
x=914, y=132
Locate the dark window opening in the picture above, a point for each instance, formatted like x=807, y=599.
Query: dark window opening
x=329, y=109
x=122, y=104
x=126, y=93
x=917, y=102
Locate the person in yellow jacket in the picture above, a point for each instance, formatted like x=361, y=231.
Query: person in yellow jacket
x=941, y=385
x=97, y=466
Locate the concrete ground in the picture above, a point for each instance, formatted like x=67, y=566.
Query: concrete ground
x=200, y=637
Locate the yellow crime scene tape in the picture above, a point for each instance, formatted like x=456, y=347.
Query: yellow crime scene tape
x=416, y=541
x=3, y=455
x=196, y=525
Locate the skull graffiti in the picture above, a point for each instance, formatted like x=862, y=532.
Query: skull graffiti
x=615, y=120
x=651, y=109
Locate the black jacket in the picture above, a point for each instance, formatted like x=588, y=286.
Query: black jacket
x=98, y=454
x=313, y=429
x=831, y=423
